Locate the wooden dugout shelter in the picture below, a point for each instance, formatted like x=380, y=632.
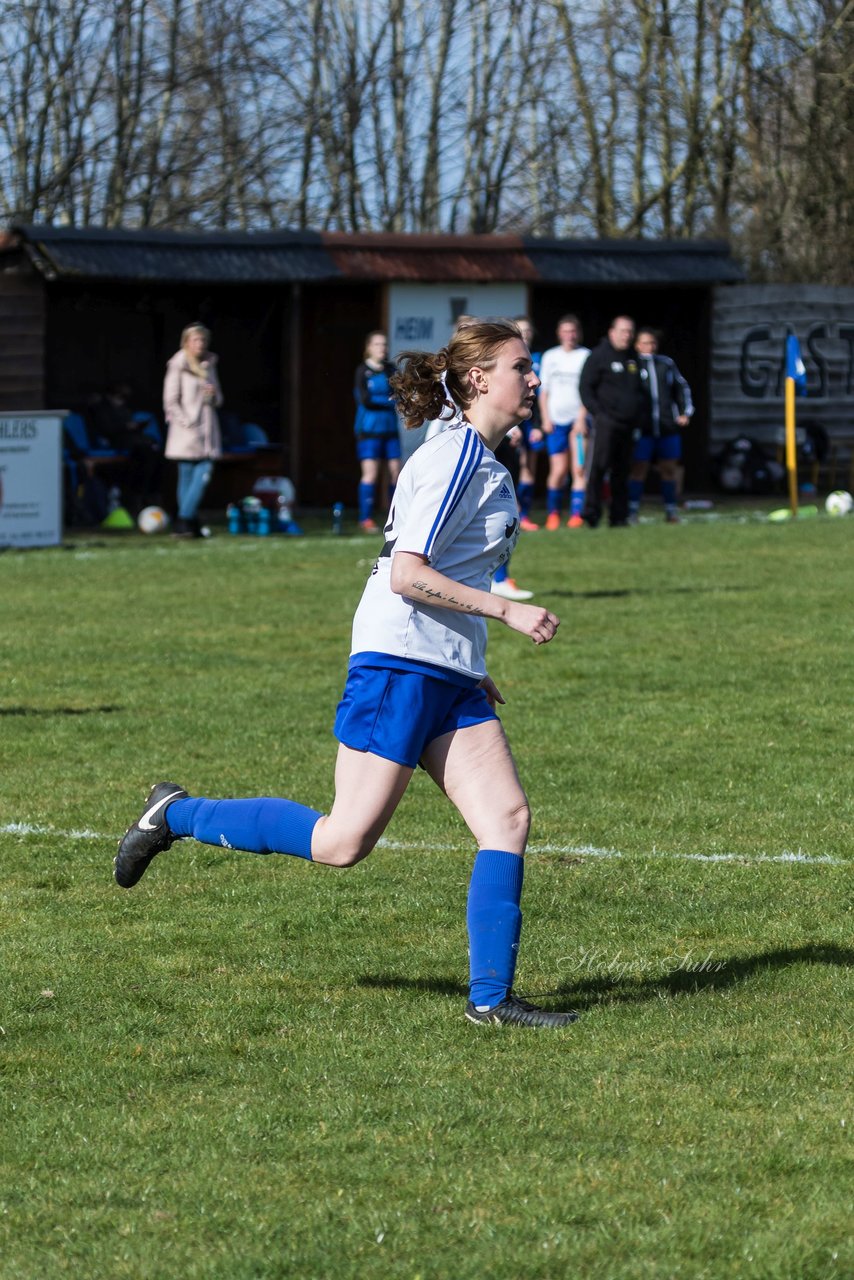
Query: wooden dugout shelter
x=81, y=308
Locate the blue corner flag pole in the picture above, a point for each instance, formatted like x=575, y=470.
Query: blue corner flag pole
x=796, y=376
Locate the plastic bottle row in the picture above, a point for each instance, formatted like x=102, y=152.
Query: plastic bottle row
x=251, y=516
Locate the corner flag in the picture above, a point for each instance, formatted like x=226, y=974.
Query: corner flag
x=795, y=367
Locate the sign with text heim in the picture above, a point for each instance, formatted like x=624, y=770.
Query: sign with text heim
x=30, y=479
x=422, y=317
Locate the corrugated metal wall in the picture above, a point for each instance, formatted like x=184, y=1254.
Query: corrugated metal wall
x=749, y=329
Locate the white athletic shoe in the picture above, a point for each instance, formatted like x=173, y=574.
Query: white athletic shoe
x=510, y=591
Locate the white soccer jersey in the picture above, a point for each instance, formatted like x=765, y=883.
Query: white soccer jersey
x=560, y=374
x=455, y=504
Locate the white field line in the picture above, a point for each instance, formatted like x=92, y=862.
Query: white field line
x=31, y=829
x=544, y=850
x=591, y=851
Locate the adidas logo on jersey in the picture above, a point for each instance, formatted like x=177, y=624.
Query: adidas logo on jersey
x=504, y=492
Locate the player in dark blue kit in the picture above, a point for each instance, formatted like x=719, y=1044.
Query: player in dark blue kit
x=376, y=426
x=417, y=689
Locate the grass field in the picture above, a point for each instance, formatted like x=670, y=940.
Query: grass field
x=259, y=1068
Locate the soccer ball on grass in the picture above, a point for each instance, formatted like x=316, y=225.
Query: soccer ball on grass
x=153, y=520
x=838, y=503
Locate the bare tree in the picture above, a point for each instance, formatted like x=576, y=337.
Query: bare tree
x=628, y=117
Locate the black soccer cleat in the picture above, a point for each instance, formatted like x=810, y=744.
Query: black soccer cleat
x=148, y=836
x=515, y=1011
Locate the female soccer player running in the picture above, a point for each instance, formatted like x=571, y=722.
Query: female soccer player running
x=417, y=689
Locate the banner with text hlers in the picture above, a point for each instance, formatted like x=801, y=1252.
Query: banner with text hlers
x=30, y=479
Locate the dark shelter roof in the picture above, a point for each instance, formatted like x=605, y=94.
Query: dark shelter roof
x=633, y=262
x=202, y=257
x=278, y=257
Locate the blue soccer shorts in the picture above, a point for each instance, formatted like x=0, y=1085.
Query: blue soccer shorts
x=397, y=714
x=658, y=448
x=370, y=447
x=558, y=440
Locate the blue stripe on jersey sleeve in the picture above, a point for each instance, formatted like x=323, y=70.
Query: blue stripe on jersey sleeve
x=463, y=488
x=467, y=465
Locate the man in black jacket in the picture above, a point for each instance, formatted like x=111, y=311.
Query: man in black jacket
x=615, y=394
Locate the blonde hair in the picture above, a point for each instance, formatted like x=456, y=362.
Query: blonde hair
x=425, y=384
x=195, y=364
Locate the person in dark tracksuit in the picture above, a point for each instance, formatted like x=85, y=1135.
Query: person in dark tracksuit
x=671, y=408
x=616, y=396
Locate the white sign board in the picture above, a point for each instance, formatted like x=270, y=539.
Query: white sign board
x=31, y=479
x=422, y=316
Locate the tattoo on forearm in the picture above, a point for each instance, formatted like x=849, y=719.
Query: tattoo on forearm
x=448, y=598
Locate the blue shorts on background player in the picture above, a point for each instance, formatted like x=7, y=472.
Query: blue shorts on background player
x=417, y=690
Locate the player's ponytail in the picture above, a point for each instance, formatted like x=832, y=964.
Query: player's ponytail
x=418, y=386
x=427, y=385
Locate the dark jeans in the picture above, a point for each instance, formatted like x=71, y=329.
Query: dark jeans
x=613, y=445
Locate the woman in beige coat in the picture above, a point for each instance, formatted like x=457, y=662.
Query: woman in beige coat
x=191, y=397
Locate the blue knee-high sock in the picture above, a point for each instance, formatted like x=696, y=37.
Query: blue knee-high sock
x=366, y=500
x=668, y=494
x=576, y=502
x=525, y=497
x=258, y=826
x=500, y=574
x=554, y=500
x=635, y=494
x=494, y=922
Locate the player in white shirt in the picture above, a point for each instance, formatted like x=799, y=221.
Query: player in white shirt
x=417, y=690
x=502, y=583
x=564, y=420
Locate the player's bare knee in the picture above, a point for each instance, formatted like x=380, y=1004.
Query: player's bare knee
x=520, y=821
x=509, y=829
x=348, y=853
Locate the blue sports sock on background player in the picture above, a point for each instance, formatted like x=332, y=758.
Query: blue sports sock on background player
x=525, y=495
x=367, y=493
x=554, y=500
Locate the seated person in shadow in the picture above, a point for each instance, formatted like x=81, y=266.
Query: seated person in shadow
x=113, y=422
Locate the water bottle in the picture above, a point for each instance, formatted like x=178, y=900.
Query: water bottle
x=232, y=515
x=264, y=522
x=251, y=508
x=338, y=518
x=284, y=514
